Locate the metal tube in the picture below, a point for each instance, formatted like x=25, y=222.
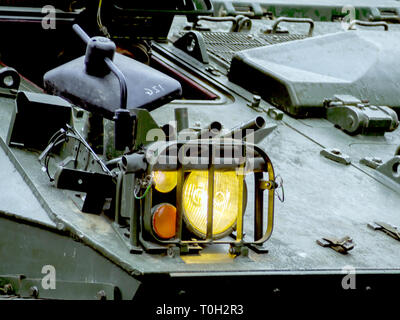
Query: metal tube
x=82, y=34
x=210, y=202
x=134, y=219
x=122, y=82
x=179, y=198
x=182, y=119
x=118, y=198
x=254, y=124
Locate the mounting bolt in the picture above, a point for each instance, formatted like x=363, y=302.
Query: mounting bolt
x=173, y=251
x=256, y=101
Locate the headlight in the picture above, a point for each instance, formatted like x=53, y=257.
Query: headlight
x=164, y=220
x=165, y=181
x=227, y=198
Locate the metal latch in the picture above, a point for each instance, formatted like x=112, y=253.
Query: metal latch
x=336, y=155
x=342, y=245
x=386, y=228
x=358, y=116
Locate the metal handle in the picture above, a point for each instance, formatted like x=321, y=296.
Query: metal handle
x=81, y=33
x=368, y=24
x=239, y=22
x=295, y=20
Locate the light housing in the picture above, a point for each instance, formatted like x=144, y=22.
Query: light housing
x=223, y=164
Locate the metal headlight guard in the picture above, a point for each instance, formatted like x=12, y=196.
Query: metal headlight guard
x=160, y=156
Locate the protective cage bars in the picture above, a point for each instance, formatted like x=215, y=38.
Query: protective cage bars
x=261, y=164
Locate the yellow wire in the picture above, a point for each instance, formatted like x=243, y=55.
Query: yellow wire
x=99, y=23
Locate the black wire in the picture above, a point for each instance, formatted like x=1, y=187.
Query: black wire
x=57, y=141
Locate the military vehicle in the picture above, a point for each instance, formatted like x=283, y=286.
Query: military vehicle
x=199, y=153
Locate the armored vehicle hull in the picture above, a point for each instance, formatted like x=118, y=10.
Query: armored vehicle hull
x=336, y=172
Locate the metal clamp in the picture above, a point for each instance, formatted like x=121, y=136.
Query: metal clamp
x=274, y=28
x=368, y=24
x=386, y=228
x=343, y=245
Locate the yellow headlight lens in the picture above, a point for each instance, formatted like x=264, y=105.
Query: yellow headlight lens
x=228, y=196
x=165, y=181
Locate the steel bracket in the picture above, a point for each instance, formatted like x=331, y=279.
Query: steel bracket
x=386, y=228
x=97, y=186
x=238, y=250
x=193, y=44
x=342, y=245
x=372, y=162
x=391, y=168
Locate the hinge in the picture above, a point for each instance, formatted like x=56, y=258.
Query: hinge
x=356, y=116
